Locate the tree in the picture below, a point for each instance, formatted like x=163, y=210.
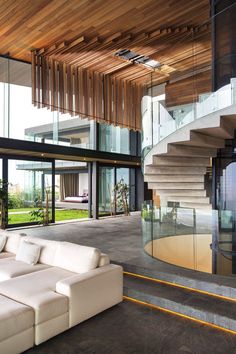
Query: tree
x=121, y=191
x=41, y=214
x=3, y=203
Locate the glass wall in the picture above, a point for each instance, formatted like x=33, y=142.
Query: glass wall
x=29, y=190
x=106, y=186
x=114, y=139
x=108, y=178
x=21, y=120
x=71, y=190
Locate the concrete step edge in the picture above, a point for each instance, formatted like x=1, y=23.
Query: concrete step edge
x=182, y=309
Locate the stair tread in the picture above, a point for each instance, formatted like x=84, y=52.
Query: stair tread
x=198, y=301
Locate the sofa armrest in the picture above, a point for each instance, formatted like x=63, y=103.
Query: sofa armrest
x=92, y=292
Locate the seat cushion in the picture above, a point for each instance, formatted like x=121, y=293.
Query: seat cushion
x=76, y=258
x=10, y=268
x=14, y=318
x=38, y=290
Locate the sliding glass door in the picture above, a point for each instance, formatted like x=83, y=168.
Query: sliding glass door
x=29, y=191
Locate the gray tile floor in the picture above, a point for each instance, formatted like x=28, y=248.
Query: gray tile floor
x=120, y=237
x=133, y=329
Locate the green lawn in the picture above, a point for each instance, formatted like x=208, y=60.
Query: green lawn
x=60, y=215
x=71, y=214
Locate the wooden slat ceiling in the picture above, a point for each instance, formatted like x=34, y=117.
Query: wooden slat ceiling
x=78, y=39
x=88, y=33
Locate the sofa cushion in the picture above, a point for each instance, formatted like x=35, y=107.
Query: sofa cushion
x=76, y=258
x=3, y=240
x=13, y=240
x=28, y=252
x=48, y=249
x=10, y=268
x=38, y=290
x=4, y=255
x=14, y=318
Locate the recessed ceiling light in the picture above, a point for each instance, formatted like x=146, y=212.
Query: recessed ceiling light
x=137, y=58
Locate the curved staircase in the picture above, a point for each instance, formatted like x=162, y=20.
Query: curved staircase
x=175, y=168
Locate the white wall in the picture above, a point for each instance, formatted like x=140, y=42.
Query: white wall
x=83, y=183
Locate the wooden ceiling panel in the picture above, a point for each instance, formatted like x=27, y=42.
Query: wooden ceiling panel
x=27, y=24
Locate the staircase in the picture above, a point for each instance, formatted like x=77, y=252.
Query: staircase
x=175, y=168
x=210, y=309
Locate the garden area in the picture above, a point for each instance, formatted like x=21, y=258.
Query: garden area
x=23, y=215
x=19, y=212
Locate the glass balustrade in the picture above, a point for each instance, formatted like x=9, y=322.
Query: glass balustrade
x=198, y=239
x=159, y=121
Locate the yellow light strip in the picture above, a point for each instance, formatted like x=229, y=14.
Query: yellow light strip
x=179, y=286
x=127, y=298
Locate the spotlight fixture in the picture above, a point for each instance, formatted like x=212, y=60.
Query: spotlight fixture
x=138, y=59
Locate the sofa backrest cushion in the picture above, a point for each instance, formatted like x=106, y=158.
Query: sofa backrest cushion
x=48, y=249
x=76, y=258
x=13, y=240
x=3, y=240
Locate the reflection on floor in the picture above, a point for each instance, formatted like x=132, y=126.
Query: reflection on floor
x=133, y=329
x=190, y=251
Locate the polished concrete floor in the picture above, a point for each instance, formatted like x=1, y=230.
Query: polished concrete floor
x=121, y=238
x=130, y=328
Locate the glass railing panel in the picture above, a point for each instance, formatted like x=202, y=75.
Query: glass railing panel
x=197, y=239
x=159, y=122
x=167, y=123
x=147, y=226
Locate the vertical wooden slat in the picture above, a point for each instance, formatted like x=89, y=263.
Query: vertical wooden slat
x=86, y=93
x=61, y=89
x=56, y=85
x=33, y=78
x=76, y=90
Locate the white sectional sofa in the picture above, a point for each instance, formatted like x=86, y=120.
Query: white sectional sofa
x=69, y=284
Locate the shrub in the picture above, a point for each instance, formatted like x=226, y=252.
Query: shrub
x=15, y=201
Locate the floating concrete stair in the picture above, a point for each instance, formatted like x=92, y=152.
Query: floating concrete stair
x=171, y=170
x=211, y=309
x=175, y=168
x=173, y=178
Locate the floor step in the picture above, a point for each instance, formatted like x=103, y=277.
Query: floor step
x=165, y=170
x=195, y=205
x=189, y=199
x=179, y=150
x=213, y=310
x=199, y=139
x=176, y=185
x=180, y=161
x=176, y=178
x=178, y=192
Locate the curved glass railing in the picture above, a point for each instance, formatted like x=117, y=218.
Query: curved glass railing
x=198, y=239
x=158, y=121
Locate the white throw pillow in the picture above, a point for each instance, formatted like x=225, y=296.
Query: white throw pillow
x=3, y=240
x=28, y=252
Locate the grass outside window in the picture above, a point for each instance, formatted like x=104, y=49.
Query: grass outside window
x=22, y=215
